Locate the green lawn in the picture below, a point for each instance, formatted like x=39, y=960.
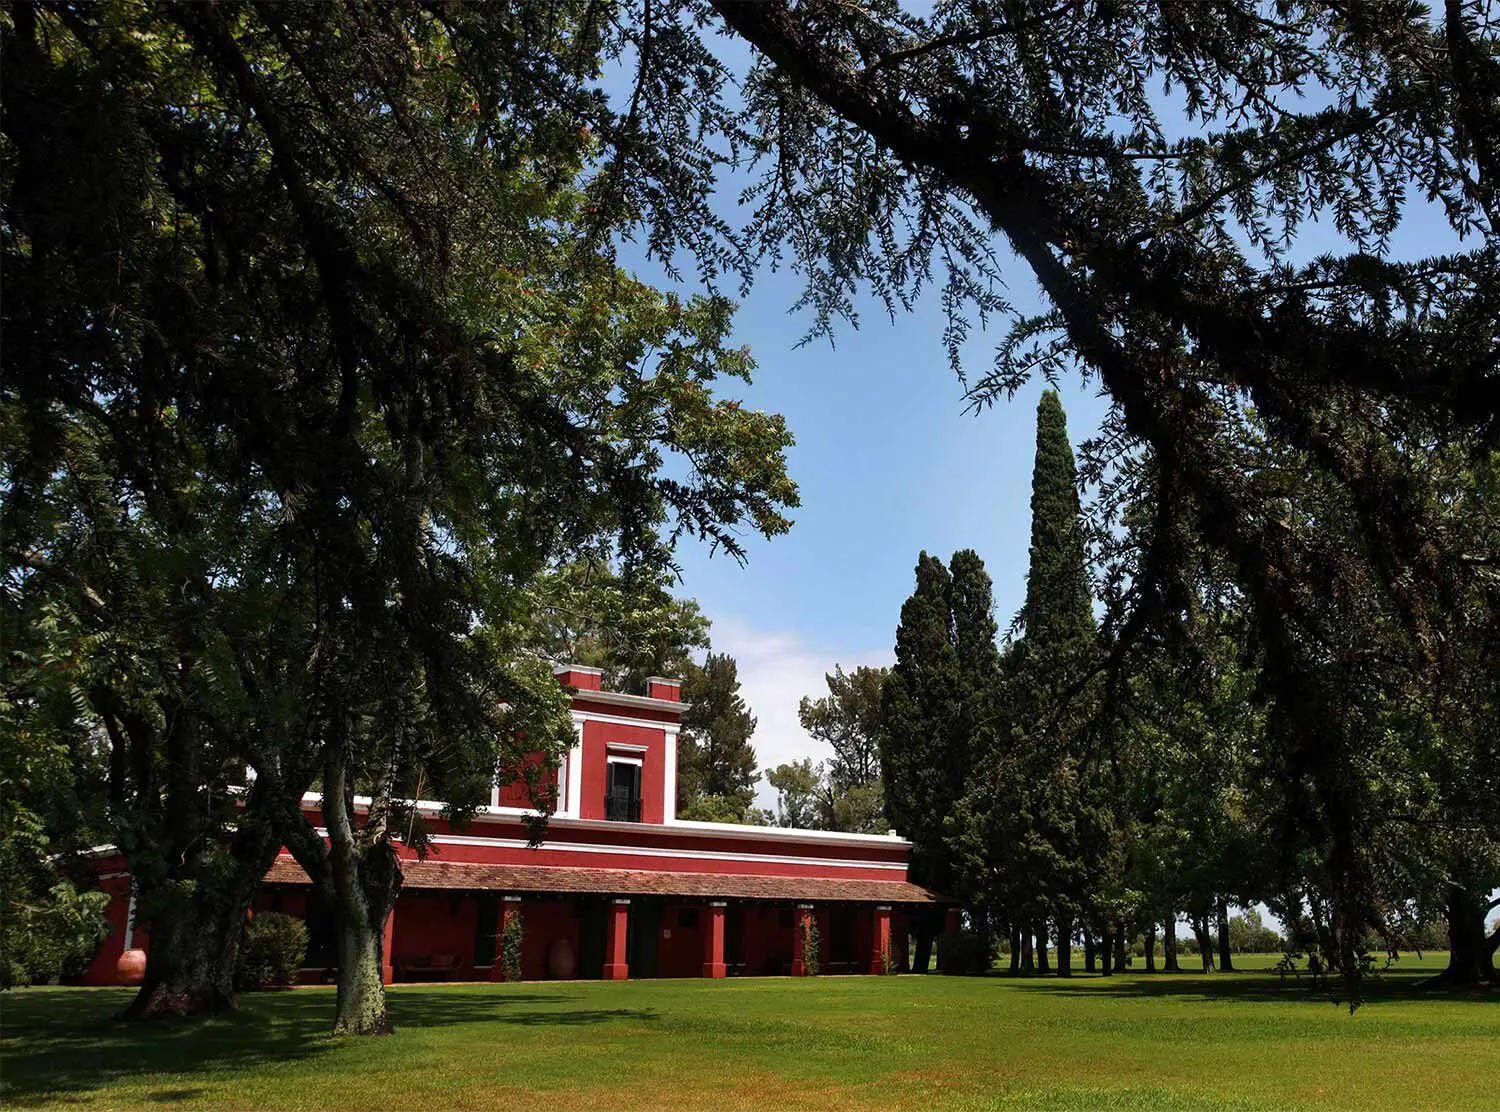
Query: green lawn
x=1236, y=1041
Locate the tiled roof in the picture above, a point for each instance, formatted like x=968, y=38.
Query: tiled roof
x=448, y=875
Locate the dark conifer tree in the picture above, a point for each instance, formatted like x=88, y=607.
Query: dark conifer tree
x=715, y=759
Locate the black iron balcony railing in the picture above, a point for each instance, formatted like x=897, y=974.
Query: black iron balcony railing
x=622, y=807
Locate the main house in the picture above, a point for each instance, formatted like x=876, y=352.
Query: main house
x=620, y=887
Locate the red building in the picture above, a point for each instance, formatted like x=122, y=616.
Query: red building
x=620, y=887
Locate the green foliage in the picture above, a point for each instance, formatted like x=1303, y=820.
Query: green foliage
x=1248, y=934
x=370, y=371
x=931, y=703
x=722, y=808
x=714, y=754
x=812, y=945
x=512, y=937
x=963, y=953
x=848, y=720
x=584, y=613
x=808, y=798
x=1035, y=836
x=274, y=949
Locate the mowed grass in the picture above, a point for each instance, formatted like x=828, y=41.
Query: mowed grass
x=1241, y=1041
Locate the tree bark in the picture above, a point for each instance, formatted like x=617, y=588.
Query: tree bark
x=1205, y=942
x=1471, y=955
x=194, y=901
x=1122, y=952
x=1150, y=947
x=1226, y=959
x=1064, y=946
x=1169, y=944
x=1028, y=965
x=922, y=957
x=1089, y=965
x=364, y=874
x=190, y=967
x=1015, y=950
x=1106, y=951
x=1042, y=965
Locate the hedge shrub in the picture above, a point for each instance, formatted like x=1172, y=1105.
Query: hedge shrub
x=274, y=949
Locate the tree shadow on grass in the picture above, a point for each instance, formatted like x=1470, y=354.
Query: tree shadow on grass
x=1256, y=986
x=59, y=1044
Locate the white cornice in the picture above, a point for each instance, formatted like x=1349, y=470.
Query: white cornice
x=680, y=828
x=644, y=702
x=671, y=729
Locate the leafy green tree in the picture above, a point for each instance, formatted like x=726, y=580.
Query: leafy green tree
x=801, y=795
x=848, y=720
x=585, y=613
x=714, y=754
x=370, y=371
x=51, y=802
x=1173, y=275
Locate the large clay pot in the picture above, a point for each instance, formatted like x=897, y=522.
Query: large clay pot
x=131, y=968
x=562, y=963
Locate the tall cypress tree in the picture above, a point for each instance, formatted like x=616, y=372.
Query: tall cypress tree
x=922, y=701
x=1058, y=615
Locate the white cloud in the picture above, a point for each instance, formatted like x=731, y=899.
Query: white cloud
x=776, y=670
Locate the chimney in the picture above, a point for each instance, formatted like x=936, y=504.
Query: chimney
x=580, y=678
x=659, y=687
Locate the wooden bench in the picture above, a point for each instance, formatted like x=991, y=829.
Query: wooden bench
x=430, y=967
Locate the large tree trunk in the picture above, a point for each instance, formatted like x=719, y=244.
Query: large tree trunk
x=1226, y=960
x=365, y=876
x=1169, y=944
x=195, y=910
x=922, y=958
x=1106, y=951
x=1028, y=965
x=1122, y=951
x=1041, y=947
x=1015, y=950
x=190, y=966
x=1150, y=947
x=1471, y=954
x=361, y=1007
x=1205, y=942
x=1064, y=946
x=1089, y=964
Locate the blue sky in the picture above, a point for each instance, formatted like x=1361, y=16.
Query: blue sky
x=889, y=463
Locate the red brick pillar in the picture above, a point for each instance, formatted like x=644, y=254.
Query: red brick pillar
x=615, y=961
x=387, y=948
x=510, y=908
x=799, y=937
x=881, y=941
x=713, y=941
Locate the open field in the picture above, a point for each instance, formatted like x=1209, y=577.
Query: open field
x=1240, y=1041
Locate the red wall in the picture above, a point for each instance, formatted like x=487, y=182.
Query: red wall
x=681, y=952
x=101, y=970
x=542, y=923
x=597, y=737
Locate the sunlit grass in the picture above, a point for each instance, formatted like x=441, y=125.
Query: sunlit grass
x=1235, y=1041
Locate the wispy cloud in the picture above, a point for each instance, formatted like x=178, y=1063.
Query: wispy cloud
x=776, y=669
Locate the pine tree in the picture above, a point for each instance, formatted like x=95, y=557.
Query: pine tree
x=1058, y=615
x=921, y=705
x=715, y=758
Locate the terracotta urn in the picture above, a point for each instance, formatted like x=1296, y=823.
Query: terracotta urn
x=131, y=968
x=562, y=963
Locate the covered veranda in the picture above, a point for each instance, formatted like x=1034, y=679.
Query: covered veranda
x=614, y=924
